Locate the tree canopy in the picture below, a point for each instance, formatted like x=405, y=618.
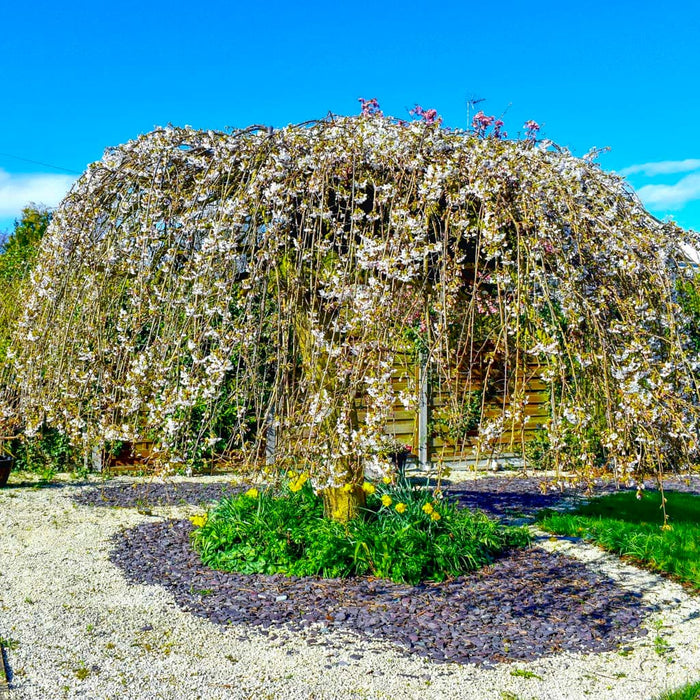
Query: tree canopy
x=197, y=287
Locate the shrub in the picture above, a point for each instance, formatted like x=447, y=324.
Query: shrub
x=47, y=453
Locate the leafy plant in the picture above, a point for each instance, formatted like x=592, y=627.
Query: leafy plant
x=46, y=453
x=403, y=534
x=8, y=643
x=523, y=673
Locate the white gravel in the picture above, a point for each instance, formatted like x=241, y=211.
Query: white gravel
x=81, y=631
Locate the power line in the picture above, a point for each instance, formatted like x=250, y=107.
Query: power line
x=38, y=162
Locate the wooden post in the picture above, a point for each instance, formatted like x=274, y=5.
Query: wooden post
x=423, y=411
x=96, y=457
x=270, y=439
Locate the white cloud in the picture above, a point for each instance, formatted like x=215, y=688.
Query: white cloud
x=675, y=196
x=663, y=167
x=18, y=190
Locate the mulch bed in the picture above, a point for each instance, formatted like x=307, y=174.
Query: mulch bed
x=502, y=497
x=528, y=604
x=512, y=499
x=145, y=494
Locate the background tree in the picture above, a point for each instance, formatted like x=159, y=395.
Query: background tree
x=17, y=256
x=20, y=248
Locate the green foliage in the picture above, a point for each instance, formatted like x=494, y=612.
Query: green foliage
x=630, y=527
x=19, y=251
x=8, y=643
x=456, y=422
x=422, y=539
x=47, y=453
x=537, y=453
x=522, y=673
x=688, y=291
x=16, y=259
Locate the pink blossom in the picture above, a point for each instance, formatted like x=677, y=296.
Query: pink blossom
x=481, y=122
x=531, y=128
x=370, y=108
x=429, y=116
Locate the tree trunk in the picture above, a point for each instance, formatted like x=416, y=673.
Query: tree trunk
x=339, y=503
x=343, y=505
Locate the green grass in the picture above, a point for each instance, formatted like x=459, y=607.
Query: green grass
x=287, y=533
x=630, y=527
x=687, y=692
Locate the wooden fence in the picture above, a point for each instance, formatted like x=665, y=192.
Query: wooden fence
x=428, y=428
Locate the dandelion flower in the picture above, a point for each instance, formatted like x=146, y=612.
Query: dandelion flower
x=428, y=508
x=368, y=488
x=347, y=488
x=386, y=500
x=387, y=479
x=252, y=493
x=400, y=507
x=435, y=515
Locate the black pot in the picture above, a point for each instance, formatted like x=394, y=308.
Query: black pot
x=5, y=468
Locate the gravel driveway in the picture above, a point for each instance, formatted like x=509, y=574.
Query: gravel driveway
x=101, y=597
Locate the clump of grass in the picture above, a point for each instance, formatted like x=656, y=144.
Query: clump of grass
x=8, y=643
x=628, y=526
x=404, y=535
x=691, y=691
x=522, y=673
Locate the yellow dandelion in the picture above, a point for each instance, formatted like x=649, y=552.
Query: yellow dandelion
x=252, y=493
x=368, y=488
x=386, y=500
x=291, y=475
x=435, y=515
x=347, y=488
x=387, y=479
x=428, y=508
x=400, y=507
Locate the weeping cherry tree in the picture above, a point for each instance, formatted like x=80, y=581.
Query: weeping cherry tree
x=199, y=288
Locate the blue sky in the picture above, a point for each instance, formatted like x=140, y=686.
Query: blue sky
x=78, y=77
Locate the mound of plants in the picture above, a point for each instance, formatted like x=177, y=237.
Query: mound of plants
x=404, y=534
x=663, y=536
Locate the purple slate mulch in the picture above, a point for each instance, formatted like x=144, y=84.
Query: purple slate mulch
x=511, y=498
x=528, y=604
x=145, y=494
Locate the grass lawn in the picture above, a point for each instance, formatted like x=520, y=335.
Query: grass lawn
x=630, y=527
x=687, y=692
